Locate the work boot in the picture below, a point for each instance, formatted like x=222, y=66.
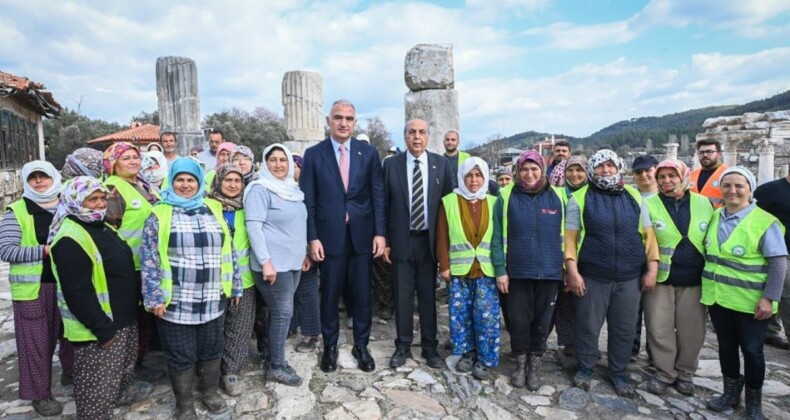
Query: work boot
x=533, y=371
x=519, y=376
x=182, y=389
x=208, y=371
x=731, y=398
x=583, y=378
x=754, y=404
x=48, y=407
x=466, y=362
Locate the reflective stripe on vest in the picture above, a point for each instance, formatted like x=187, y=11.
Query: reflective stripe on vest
x=462, y=253
x=579, y=196
x=134, y=215
x=736, y=272
x=241, y=244
x=505, y=194
x=164, y=214
x=25, y=278
x=73, y=329
x=711, y=189
x=668, y=235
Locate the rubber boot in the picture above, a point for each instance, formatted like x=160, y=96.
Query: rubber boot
x=182, y=388
x=731, y=398
x=533, y=372
x=754, y=404
x=209, y=384
x=520, y=375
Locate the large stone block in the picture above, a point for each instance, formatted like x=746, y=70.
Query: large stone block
x=179, y=101
x=430, y=66
x=439, y=108
x=303, y=105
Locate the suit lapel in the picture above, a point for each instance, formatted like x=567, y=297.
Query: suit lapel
x=403, y=178
x=328, y=154
x=355, y=162
x=433, y=184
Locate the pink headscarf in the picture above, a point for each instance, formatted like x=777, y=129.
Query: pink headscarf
x=683, y=172
x=113, y=153
x=534, y=157
x=224, y=146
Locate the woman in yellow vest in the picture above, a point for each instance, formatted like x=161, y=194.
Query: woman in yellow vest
x=98, y=295
x=37, y=324
x=190, y=275
x=129, y=203
x=223, y=156
x=463, y=248
x=244, y=158
x=742, y=285
x=674, y=316
x=526, y=251
x=228, y=192
x=153, y=169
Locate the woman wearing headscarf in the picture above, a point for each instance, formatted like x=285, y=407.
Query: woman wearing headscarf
x=154, y=147
x=463, y=235
x=82, y=162
x=98, y=295
x=190, y=272
x=129, y=204
x=153, y=169
x=527, y=257
x=674, y=316
x=741, y=286
x=227, y=192
x=244, y=158
x=223, y=156
x=609, y=247
x=37, y=324
x=574, y=176
x=193, y=152
x=277, y=225
x=307, y=318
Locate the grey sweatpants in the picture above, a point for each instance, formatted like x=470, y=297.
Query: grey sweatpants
x=617, y=303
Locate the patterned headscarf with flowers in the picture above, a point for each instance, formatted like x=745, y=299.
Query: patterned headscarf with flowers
x=74, y=193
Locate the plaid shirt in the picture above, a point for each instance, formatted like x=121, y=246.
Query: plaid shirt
x=195, y=256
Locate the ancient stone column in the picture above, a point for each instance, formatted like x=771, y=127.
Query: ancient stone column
x=179, y=101
x=303, y=109
x=684, y=144
x=730, y=151
x=430, y=77
x=672, y=150
x=765, y=168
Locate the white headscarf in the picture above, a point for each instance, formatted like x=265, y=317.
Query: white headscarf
x=744, y=172
x=288, y=188
x=466, y=167
x=156, y=176
x=51, y=194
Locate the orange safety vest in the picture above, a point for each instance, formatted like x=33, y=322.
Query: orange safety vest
x=711, y=189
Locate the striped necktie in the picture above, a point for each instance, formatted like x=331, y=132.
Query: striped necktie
x=417, y=199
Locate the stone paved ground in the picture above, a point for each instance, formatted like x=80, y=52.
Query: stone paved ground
x=417, y=391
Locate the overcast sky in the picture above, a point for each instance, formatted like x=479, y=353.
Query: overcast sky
x=568, y=67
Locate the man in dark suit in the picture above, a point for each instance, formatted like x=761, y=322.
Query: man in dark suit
x=344, y=195
x=414, y=184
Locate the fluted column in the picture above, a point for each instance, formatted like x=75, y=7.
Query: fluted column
x=303, y=108
x=179, y=101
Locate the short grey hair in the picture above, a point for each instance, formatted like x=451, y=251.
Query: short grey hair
x=406, y=127
x=344, y=102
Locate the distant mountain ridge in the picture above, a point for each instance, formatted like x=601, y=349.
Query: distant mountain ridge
x=636, y=131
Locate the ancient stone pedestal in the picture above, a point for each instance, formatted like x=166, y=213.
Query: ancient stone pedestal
x=303, y=109
x=179, y=101
x=730, y=151
x=684, y=144
x=672, y=150
x=765, y=169
x=430, y=76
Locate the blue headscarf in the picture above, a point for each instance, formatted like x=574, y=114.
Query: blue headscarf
x=191, y=167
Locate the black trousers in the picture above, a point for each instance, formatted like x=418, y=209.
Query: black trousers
x=347, y=274
x=530, y=305
x=740, y=330
x=184, y=345
x=416, y=274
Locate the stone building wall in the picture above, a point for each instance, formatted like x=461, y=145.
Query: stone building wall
x=10, y=183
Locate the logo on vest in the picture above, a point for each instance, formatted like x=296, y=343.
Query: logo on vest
x=659, y=225
x=716, y=184
x=738, y=251
x=135, y=204
x=703, y=226
x=707, y=242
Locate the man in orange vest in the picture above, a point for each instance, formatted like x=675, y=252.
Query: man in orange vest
x=705, y=180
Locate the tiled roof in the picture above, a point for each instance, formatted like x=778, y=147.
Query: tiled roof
x=145, y=133
x=32, y=94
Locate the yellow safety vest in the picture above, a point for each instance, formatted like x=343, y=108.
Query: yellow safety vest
x=164, y=214
x=210, y=179
x=136, y=212
x=25, y=278
x=73, y=329
x=579, y=196
x=668, y=235
x=735, y=273
x=505, y=194
x=462, y=253
x=462, y=156
x=241, y=243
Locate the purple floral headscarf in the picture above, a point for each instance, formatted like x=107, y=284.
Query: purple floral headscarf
x=75, y=191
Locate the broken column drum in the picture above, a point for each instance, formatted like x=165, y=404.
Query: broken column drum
x=303, y=109
x=179, y=101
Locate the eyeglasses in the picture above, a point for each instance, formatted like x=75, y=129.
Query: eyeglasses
x=707, y=152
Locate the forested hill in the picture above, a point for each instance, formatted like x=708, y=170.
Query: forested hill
x=635, y=131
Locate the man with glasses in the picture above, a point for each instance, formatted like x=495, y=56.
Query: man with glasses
x=705, y=180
